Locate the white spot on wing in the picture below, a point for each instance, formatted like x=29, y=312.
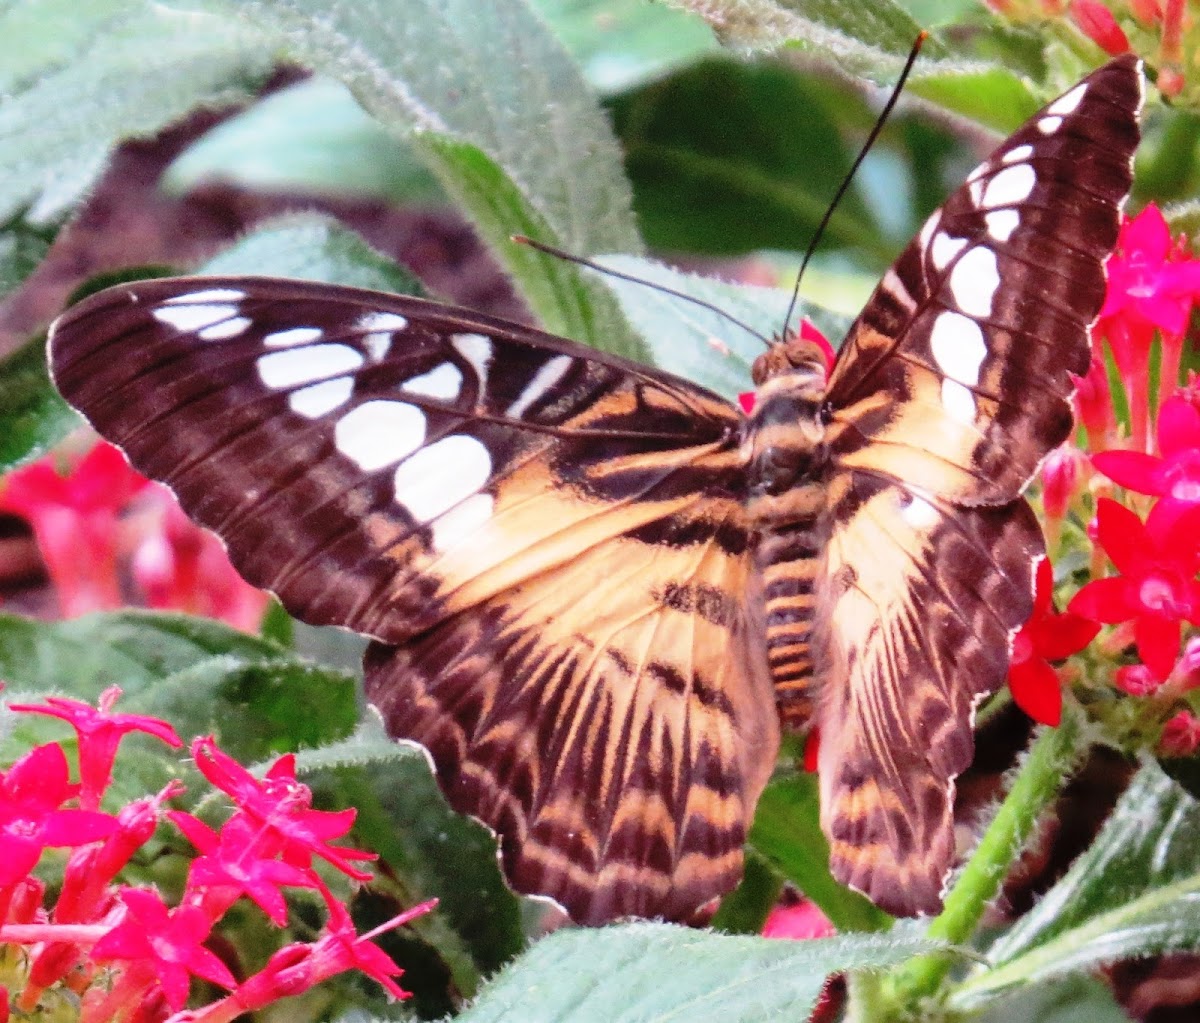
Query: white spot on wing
x=461, y=521
x=1002, y=223
x=1018, y=154
x=382, y=321
x=294, y=366
x=225, y=329
x=549, y=374
x=439, y=476
x=194, y=317
x=927, y=229
x=292, y=336
x=207, y=296
x=892, y=284
x=919, y=513
x=443, y=382
x=944, y=249
x=1049, y=125
x=1011, y=186
x=1068, y=102
x=958, y=401
x=974, y=281
x=314, y=401
x=477, y=350
x=380, y=433
x=958, y=348
x=377, y=345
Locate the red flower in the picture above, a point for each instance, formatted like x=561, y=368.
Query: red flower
x=31, y=792
x=803, y=920
x=168, y=943
x=1061, y=472
x=1176, y=474
x=283, y=804
x=1047, y=636
x=181, y=567
x=236, y=863
x=1097, y=23
x=74, y=519
x=1156, y=588
x=100, y=733
x=1093, y=401
x=1180, y=735
x=1153, y=284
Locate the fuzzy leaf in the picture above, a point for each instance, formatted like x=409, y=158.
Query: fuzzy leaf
x=1135, y=892
x=74, y=83
x=651, y=973
x=524, y=124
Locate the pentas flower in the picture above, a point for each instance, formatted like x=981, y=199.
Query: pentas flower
x=283, y=804
x=801, y=921
x=1153, y=285
x=1047, y=636
x=1180, y=735
x=180, y=567
x=32, y=793
x=75, y=521
x=100, y=733
x=166, y=943
x=1156, y=588
x=1175, y=472
x=1096, y=22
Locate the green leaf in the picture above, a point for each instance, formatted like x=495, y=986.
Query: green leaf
x=1072, y=1000
x=990, y=95
x=311, y=138
x=313, y=248
x=701, y=187
x=745, y=909
x=621, y=44
x=526, y=118
x=76, y=82
x=787, y=832
x=680, y=335
x=1131, y=894
x=656, y=972
x=33, y=418
x=429, y=850
x=870, y=37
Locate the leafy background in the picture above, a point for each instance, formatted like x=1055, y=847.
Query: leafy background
x=612, y=128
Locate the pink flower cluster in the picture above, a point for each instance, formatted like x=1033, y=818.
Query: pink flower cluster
x=122, y=951
x=100, y=520
x=1152, y=536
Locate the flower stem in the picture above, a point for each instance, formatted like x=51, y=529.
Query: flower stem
x=1039, y=777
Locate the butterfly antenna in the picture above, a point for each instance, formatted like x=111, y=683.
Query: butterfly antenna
x=862, y=153
x=550, y=250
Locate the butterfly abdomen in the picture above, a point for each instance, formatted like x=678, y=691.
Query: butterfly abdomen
x=784, y=445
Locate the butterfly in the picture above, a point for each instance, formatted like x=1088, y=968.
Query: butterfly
x=595, y=591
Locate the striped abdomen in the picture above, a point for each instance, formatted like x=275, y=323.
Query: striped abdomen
x=784, y=436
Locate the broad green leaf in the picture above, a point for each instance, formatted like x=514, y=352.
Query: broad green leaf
x=33, y=418
x=311, y=138
x=871, y=37
x=787, y=832
x=992, y=96
x=524, y=123
x=121, y=69
x=702, y=186
x=700, y=344
x=429, y=850
x=652, y=973
x=1135, y=892
x=313, y=248
x=1071, y=1000
x=621, y=44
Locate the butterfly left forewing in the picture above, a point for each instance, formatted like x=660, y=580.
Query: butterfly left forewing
x=547, y=544
x=952, y=386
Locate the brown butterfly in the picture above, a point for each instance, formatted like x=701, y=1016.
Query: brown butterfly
x=594, y=589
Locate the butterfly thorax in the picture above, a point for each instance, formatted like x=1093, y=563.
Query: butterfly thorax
x=784, y=445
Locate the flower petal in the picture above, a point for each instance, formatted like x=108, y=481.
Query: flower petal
x=1133, y=470
x=1105, y=600
x=1158, y=642
x=1036, y=690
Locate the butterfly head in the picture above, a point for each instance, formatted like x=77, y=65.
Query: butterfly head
x=794, y=357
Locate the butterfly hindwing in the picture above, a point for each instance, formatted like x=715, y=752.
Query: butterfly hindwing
x=521, y=515
x=952, y=386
